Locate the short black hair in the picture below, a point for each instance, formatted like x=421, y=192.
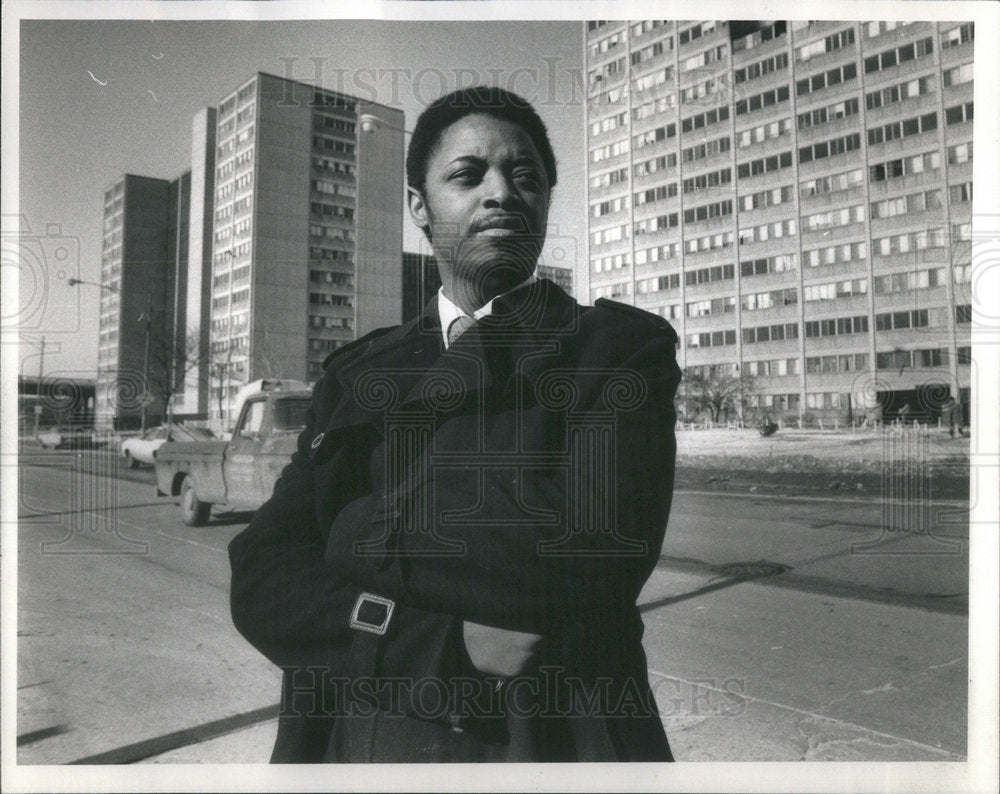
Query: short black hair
x=446, y=110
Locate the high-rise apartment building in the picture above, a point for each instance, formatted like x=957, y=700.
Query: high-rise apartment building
x=795, y=197
x=307, y=230
x=560, y=276
x=155, y=266
x=421, y=280
x=144, y=248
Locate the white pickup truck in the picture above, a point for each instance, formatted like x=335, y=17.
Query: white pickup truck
x=239, y=473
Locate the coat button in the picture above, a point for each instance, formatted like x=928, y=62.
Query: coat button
x=317, y=441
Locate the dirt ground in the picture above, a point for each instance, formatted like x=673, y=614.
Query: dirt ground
x=812, y=461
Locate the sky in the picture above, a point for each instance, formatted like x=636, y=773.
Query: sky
x=103, y=98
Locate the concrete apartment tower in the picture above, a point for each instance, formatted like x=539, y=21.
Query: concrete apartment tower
x=307, y=241
x=795, y=197
x=144, y=250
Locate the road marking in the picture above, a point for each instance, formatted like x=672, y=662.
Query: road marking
x=837, y=500
x=130, y=525
x=812, y=714
x=132, y=753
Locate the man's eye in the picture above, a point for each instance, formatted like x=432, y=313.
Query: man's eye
x=466, y=175
x=526, y=177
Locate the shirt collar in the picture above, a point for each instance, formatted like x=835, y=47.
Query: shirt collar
x=448, y=311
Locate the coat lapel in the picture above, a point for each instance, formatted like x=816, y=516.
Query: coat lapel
x=407, y=371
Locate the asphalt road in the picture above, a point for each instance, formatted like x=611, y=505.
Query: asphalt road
x=777, y=628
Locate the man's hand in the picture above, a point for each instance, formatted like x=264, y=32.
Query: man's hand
x=499, y=651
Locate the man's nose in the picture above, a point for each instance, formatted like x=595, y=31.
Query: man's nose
x=498, y=190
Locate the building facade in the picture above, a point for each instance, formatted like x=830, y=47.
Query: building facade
x=421, y=280
x=143, y=254
x=561, y=276
x=795, y=197
x=307, y=237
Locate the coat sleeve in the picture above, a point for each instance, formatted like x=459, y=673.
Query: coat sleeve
x=529, y=573
x=285, y=599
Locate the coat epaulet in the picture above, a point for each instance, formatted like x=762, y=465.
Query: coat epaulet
x=357, y=343
x=635, y=313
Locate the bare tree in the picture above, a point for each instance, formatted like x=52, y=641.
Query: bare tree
x=718, y=389
x=169, y=364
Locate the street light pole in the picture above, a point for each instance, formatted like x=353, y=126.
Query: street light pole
x=145, y=361
x=148, y=328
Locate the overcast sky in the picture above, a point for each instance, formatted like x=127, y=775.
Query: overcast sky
x=99, y=99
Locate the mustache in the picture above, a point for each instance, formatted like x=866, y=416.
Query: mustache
x=512, y=222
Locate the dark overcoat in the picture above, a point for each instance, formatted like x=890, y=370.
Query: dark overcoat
x=520, y=479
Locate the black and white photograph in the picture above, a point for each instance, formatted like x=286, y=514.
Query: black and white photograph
x=500, y=396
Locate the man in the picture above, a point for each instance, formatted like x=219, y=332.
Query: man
x=448, y=569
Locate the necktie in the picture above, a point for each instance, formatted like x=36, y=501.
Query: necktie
x=458, y=327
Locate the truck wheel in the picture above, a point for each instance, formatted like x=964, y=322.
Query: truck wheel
x=132, y=462
x=194, y=511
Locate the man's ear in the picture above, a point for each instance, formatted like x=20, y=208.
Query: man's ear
x=418, y=211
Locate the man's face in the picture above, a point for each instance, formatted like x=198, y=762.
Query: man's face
x=485, y=206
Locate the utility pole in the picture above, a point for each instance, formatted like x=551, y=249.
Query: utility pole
x=145, y=361
x=38, y=388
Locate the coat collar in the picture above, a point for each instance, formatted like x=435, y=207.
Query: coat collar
x=407, y=373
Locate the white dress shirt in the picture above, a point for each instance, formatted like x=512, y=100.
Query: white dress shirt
x=448, y=311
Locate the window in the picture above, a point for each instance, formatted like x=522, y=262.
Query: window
x=895, y=130
x=760, y=36
x=718, y=209
x=960, y=153
x=818, y=151
x=834, y=218
x=770, y=300
x=766, y=265
x=961, y=192
x=903, y=282
x=656, y=164
x=902, y=205
x=709, y=274
x=835, y=290
x=654, y=194
x=704, y=150
x=706, y=308
x=898, y=93
x=832, y=183
x=764, y=165
x=898, y=55
x=761, y=68
x=959, y=35
x=759, y=101
x=708, y=180
x=770, y=333
x=963, y=314
x=913, y=241
x=905, y=166
x=656, y=224
x=840, y=326
x=824, y=115
x=764, y=132
x=712, y=339
x=713, y=116
x=818, y=82
x=768, y=231
x=958, y=113
x=822, y=46
x=767, y=198
x=891, y=321
x=958, y=75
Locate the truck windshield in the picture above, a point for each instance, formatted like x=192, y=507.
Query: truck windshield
x=290, y=414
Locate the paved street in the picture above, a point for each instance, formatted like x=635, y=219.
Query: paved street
x=777, y=628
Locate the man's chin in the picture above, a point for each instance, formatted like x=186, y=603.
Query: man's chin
x=488, y=277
